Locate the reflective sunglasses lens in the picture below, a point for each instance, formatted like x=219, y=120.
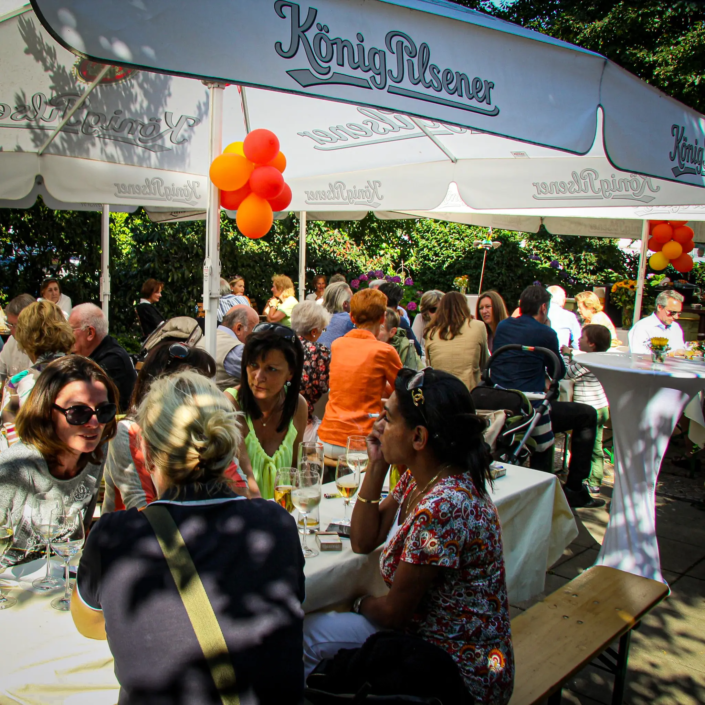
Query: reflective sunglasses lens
x=106, y=413
x=179, y=351
x=79, y=415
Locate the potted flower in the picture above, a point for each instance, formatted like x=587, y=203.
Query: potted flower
x=659, y=349
x=461, y=283
x=622, y=294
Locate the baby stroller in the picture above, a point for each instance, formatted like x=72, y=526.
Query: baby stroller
x=515, y=443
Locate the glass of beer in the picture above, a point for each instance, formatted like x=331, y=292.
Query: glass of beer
x=283, y=484
x=347, y=480
x=306, y=496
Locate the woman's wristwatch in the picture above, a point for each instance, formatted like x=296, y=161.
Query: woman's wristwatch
x=358, y=603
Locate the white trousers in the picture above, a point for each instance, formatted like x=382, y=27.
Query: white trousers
x=325, y=634
x=333, y=451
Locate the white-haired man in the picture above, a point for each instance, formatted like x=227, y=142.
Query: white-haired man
x=12, y=359
x=230, y=338
x=565, y=323
x=227, y=300
x=662, y=323
x=90, y=328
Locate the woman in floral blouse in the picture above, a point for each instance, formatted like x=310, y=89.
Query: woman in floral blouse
x=442, y=556
x=309, y=320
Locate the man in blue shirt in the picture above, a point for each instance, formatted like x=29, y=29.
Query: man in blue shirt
x=526, y=371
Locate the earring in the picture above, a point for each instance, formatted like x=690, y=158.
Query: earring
x=287, y=384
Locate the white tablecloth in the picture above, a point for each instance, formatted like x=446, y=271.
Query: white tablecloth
x=646, y=400
x=43, y=659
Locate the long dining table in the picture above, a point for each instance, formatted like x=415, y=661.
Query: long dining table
x=45, y=661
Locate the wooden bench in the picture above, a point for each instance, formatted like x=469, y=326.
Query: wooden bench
x=557, y=638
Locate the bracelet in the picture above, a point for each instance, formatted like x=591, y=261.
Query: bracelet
x=358, y=603
x=368, y=501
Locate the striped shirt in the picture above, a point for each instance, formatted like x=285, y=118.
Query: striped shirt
x=586, y=389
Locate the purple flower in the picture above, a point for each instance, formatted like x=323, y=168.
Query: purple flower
x=408, y=282
x=396, y=280
x=363, y=277
x=563, y=274
x=371, y=275
x=411, y=306
x=379, y=274
x=388, y=277
x=555, y=264
x=536, y=258
x=537, y=283
x=355, y=284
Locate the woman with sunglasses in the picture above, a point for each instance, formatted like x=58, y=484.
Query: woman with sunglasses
x=274, y=413
x=427, y=308
x=63, y=428
x=128, y=483
x=490, y=309
x=442, y=557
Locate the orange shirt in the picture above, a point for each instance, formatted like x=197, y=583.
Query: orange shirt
x=361, y=367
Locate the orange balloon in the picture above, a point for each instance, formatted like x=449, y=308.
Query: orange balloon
x=683, y=264
x=663, y=232
x=658, y=261
x=682, y=234
x=230, y=172
x=234, y=148
x=672, y=249
x=655, y=245
x=254, y=217
x=279, y=162
x=689, y=246
x=677, y=223
x=231, y=200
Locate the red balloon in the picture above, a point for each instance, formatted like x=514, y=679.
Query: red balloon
x=682, y=264
x=266, y=181
x=231, y=200
x=682, y=234
x=688, y=246
x=254, y=217
x=282, y=201
x=655, y=245
x=663, y=233
x=261, y=146
x=677, y=223
x=654, y=223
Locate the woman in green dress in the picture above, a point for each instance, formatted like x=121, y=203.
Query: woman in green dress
x=274, y=413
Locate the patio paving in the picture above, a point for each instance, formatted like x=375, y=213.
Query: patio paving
x=667, y=657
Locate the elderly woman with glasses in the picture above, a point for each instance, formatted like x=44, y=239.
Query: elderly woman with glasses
x=128, y=483
x=274, y=413
x=442, y=544
x=63, y=428
x=590, y=310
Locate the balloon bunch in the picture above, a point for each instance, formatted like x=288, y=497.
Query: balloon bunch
x=671, y=241
x=249, y=176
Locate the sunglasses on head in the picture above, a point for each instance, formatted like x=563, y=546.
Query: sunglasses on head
x=179, y=351
x=415, y=386
x=276, y=328
x=81, y=414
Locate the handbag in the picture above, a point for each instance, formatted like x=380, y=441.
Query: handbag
x=198, y=607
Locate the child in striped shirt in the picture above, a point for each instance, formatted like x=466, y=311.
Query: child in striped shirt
x=588, y=390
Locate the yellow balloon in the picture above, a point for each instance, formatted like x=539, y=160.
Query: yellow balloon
x=234, y=148
x=658, y=261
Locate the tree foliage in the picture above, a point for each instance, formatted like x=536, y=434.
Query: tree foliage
x=660, y=41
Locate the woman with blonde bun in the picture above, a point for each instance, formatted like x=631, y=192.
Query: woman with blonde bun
x=247, y=566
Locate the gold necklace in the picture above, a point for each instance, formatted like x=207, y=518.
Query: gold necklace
x=413, y=502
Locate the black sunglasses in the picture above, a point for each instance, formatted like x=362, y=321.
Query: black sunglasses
x=276, y=328
x=81, y=414
x=179, y=351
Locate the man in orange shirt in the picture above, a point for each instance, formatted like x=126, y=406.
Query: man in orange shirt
x=362, y=373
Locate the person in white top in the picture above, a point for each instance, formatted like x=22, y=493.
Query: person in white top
x=662, y=323
x=565, y=323
x=50, y=290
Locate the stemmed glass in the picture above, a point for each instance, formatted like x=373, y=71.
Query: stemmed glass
x=347, y=480
x=6, y=533
x=306, y=496
x=311, y=454
x=67, y=542
x=46, y=510
x=283, y=485
x=357, y=452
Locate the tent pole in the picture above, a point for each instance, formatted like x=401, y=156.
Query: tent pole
x=641, y=276
x=302, y=255
x=105, y=261
x=482, y=273
x=211, y=264
x=245, y=110
x=74, y=108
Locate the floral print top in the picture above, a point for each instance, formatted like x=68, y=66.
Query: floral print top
x=314, y=378
x=466, y=612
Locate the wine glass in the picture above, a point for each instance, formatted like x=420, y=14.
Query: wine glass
x=306, y=495
x=311, y=456
x=356, y=452
x=46, y=510
x=283, y=485
x=6, y=534
x=347, y=480
x=67, y=541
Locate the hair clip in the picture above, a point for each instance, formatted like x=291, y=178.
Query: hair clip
x=417, y=397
